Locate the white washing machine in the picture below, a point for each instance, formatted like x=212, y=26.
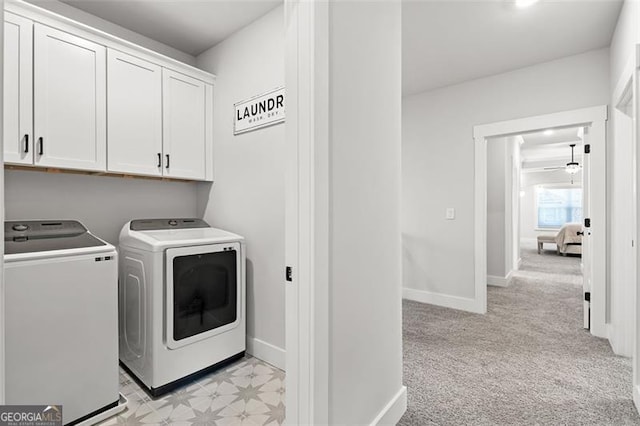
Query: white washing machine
x=182, y=300
x=61, y=330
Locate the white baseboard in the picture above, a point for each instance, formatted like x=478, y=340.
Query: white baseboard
x=266, y=352
x=636, y=397
x=496, y=281
x=393, y=411
x=499, y=281
x=519, y=263
x=445, y=300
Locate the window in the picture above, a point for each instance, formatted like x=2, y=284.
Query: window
x=557, y=206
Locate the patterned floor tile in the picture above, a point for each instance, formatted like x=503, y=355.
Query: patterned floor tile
x=248, y=393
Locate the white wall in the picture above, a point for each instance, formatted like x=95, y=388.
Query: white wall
x=625, y=38
x=365, y=350
x=438, y=159
x=78, y=15
x=496, y=204
x=247, y=196
x=502, y=206
x=103, y=204
x=530, y=181
x=516, y=184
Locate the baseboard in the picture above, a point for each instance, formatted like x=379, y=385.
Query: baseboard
x=445, y=300
x=394, y=410
x=612, y=338
x=636, y=396
x=499, y=281
x=519, y=264
x=619, y=345
x=266, y=352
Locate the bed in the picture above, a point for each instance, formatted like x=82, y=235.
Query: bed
x=567, y=240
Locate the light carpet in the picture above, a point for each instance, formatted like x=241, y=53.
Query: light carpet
x=527, y=361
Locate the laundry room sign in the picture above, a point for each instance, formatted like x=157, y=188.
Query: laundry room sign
x=259, y=111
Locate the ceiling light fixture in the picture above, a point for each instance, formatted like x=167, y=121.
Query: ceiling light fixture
x=572, y=167
x=548, y=132
x=521, y=4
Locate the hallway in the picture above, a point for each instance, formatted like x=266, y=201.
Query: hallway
x=527, y=361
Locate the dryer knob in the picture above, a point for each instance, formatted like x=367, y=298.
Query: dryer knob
x=20, y=227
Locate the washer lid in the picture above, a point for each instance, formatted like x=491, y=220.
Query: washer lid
x=39, y=236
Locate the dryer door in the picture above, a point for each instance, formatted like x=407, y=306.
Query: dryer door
x=203, y=292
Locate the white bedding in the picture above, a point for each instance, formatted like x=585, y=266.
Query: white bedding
x=568, y=237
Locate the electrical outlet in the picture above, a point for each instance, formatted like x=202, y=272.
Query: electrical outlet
x=451, y=213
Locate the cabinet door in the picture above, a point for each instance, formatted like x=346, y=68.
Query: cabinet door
x=69, y=101
x=18, y=93
x=184, y=126
x=134, y=112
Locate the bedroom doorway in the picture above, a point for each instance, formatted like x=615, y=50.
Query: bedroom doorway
x=535, y=221
x=585, y=127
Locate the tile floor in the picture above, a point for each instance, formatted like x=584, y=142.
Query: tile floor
x=249, y=393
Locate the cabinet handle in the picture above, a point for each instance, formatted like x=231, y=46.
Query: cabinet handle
x=40, y=146
x=167, y=166
x=159, y=160
x=26, y=144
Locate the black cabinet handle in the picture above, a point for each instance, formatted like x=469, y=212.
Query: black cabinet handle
x=26, y=143
x=40, y=146
x=167, y=166
x=580, y=233
x=159, y=160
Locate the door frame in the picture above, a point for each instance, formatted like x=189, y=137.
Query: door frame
x=627, y=90
x=307, y=211
x=593, y=117
x=2, y=310
x=635, y=81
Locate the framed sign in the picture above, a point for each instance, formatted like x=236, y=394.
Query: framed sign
x=260, y=111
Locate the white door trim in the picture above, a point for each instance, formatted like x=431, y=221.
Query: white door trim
x=594, y=117
x=307, y=211
x=2, y=333
x=627, y=87
x=635, y=76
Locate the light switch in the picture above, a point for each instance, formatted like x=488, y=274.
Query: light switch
x=451, y=213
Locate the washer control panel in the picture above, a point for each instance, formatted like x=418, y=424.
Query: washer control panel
x=37, y=229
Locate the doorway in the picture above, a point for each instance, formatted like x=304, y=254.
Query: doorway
x=594, y=240
x=535, y=222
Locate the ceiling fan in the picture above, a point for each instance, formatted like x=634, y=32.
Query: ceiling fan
x=571, y=167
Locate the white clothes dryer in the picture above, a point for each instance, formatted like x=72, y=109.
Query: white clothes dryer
x=181, y=299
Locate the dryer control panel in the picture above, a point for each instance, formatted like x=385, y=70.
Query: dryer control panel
x=160, y=224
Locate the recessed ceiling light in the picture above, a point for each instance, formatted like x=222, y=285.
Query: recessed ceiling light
x=521, y=4
x=548, y=132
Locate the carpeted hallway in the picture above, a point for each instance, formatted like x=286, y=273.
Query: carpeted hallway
x=528, y=361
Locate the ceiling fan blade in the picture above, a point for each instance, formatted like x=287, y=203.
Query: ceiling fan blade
x=554, y=168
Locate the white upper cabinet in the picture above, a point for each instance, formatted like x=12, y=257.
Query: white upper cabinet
x=69, y=100
x=134, y=111
x=18, y=93
x=78, y=98
x=184, y=126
